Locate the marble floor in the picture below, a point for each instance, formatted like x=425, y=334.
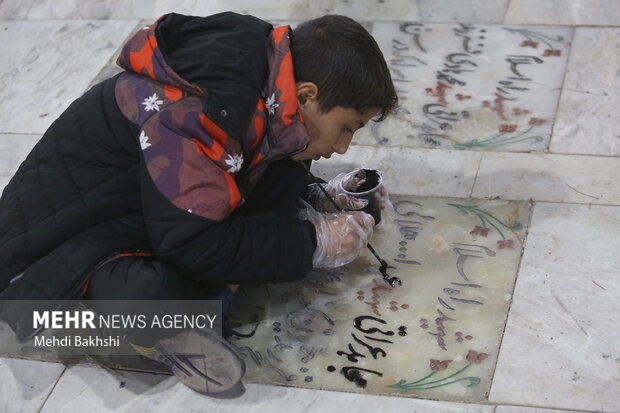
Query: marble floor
x=506, y=137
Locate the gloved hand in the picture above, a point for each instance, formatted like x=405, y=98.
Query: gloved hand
x=334, y=188
x=340, y=237
x=350, y=182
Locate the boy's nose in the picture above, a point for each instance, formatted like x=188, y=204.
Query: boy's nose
x=342, y=144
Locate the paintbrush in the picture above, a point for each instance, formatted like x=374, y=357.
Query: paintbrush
x=393, y=281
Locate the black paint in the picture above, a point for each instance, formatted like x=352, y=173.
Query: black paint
x=373, y=350
x=357, y=323
x=371, y=180
x=351, y=356
x=379, y=340
x=353, y=375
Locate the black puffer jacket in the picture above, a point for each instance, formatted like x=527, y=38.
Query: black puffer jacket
x=89, y=188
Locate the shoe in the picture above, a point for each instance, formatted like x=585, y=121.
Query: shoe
x=202, y=360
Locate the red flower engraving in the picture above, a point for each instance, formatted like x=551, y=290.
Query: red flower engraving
x=439, y=93
x=549, y=52
x=437, y=365
x=475, y=357
x=507, y=128
x=519, y=112
x=537, y=122
x=529, y=43
x=507, y=243
x=478, y=230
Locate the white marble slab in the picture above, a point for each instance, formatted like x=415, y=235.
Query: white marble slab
x=423, y=10
x=522, y=409
x=560, y=347
x=111, y=68
x=547, y=177
x=48, y=64
x=91, y=10
x=414, y=171
x=474, y=87
x=469, y=11
x=96, y=389
x=574, y=12
x=119, y=9
x=25, y=384
x=13, y=150
x=587, y=121
x=586, y=124
x=4, y=181
x=89, y=389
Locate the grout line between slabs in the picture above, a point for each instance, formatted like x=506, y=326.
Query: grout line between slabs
x=52, y=390
x=550, y=408
x=473, y=185
x=506, y=11
x=557, y=106
x=537, y=152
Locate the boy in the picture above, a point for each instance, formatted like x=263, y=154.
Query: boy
x=180, y=177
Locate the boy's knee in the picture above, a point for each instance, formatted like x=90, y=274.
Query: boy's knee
x=129, y=278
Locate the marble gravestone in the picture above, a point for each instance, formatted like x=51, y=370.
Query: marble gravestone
x=466, y=86
x=436, y=336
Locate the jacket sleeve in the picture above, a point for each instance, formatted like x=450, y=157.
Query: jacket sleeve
x=237, y=250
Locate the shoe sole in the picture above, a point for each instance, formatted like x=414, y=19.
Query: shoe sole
x=204, y=362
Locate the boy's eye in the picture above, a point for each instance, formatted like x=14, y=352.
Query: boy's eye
x=348, y=130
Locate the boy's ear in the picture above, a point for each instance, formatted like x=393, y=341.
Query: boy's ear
x=306, y=91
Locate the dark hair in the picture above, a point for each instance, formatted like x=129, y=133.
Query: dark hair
x=345, y=62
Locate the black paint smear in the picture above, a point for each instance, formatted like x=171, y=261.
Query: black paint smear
x=379, y=339
x=407, y=261
x=373, y=350
x=353, y=356
x=353, y=375
x=357, y=323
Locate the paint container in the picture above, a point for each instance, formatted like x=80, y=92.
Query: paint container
x=369, y=189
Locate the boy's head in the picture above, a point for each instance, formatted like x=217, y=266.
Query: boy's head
x=342, y=81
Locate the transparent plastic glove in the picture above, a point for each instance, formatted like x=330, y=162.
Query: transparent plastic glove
x=340, y=237
x=334, y=188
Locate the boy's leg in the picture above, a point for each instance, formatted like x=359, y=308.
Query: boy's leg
x=137, y=277
x=202, y=360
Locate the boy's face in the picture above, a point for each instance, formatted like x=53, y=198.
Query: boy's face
x=331, y=131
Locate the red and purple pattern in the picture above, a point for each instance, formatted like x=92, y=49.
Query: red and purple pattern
x=192, y=161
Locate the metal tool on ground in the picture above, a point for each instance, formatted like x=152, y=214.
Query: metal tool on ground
x=393, y=281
